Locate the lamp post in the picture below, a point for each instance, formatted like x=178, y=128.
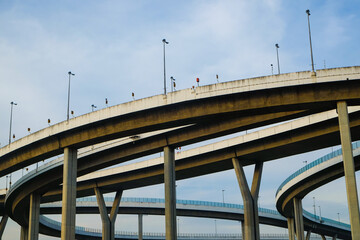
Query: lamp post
x=164, y=42
x=11, y=113
x=93, y=107
x=311, y=52
x=68, y=106
x=215, y=228
x=314, y=207
x=272, y=69
x=277, y=54
x=319, y=213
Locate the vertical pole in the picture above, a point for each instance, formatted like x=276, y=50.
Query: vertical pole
x=311, y=52
x=34, y=217
x=68, y=105
x=299, y=222
x=3, y=224
x=170, y=193
x=349, y=169
x=103, y=213
x=69, y=195
x=249, y=233
x=291, y=228
x=140, y=226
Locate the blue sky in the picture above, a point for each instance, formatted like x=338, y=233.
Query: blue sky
x=115, y=48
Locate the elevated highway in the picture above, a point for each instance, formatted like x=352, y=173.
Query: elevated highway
x=200, y=114
x=310, y=177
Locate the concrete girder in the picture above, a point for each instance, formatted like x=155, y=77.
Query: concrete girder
x=314, y=96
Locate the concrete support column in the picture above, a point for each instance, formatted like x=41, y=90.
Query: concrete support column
x=308, y=235
x=323, y=237
x=3, y=224
x=24, y=233
x=113, y=213
x=103, y=214
x=69, y=195
x=299, y=222
x=255, y=188
x=108, y=223
x=170, y=193
x=249, y=233
x=242, y=230
x=291, y=228
x=140, y=226
x=34, y=217
x=349, y=169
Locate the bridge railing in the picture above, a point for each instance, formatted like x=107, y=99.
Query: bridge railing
x=326, y=220
x=355, y=146
x=179, y=201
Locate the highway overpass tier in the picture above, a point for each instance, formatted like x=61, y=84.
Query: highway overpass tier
x=249, y=97
x=302, y=135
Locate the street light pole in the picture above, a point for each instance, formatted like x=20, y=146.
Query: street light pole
x=11, y=113
x=320, y=212
x=68, y=106
x=172, y=83
x=165, y=42
x=311, y=52
x=277, y=54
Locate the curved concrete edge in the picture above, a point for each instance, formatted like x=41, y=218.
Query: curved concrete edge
x=251, y=84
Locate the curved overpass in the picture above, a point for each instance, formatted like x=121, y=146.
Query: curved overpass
x=153, y=206
x=209, y=110
x=151, y=172
x=310, y=177
x=249, y=97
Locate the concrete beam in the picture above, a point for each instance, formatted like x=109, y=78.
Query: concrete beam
x=170, y=193
x=3, y=224
x=249, y=228
x=69, y=194
x=34, y=217
x=349, y=169
x=299, y=221
x=291, y=228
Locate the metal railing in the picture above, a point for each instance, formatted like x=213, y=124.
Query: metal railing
x=327, y=157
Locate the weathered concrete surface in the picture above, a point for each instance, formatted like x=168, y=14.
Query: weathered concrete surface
x=170, y=193
x=349, y=170
x=269, y=94
x=299, y=222
x=34, y=216
x=291, y=228
x=69, y=195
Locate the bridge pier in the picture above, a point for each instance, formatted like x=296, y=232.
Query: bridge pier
x=299, y=221
x=349, y=169
x=24, y=233
x=170, y=193
x=108, y=223
x=308, y=234
x=3, y=224
x=291, y=228
x=68, y=213
x=250, y=198
x=140, y=226
x=34, y=217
